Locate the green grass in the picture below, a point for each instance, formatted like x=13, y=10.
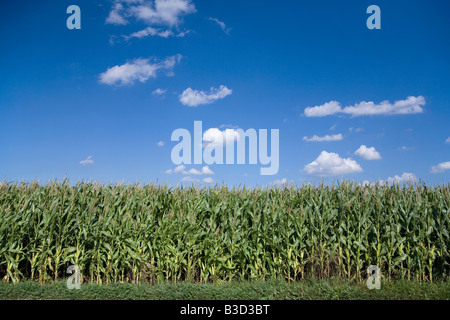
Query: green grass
x=247, y=290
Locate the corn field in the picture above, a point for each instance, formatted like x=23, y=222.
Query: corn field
x=155, y=233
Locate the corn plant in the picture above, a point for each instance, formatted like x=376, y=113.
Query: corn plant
x=156, y=233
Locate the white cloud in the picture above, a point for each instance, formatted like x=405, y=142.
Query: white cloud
x=216, y=137
x=190, y=179
x=367, y=183
x=193, y=98
x=159, y=92
x=404, y=178
x=447, y=140
x=139, y=69
x=410, y=105
x=368, y=153
x=157, y=12
x=326, y=109
x=87, y=162
x=351, y=129
x=315, y=138
x=405, y=148
x=330, y=164
x=150, y=31
x=182, y=169
x=165, y=12
x=178, y=169
x=205, y=171
x=160, y=144
x=208, y=180
x=280, y=182
x=115, y=15
x=155, y=32
x=441, y=167
x=112, y=40
x=222, y=25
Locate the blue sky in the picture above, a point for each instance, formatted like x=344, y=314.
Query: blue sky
x=101, y=103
